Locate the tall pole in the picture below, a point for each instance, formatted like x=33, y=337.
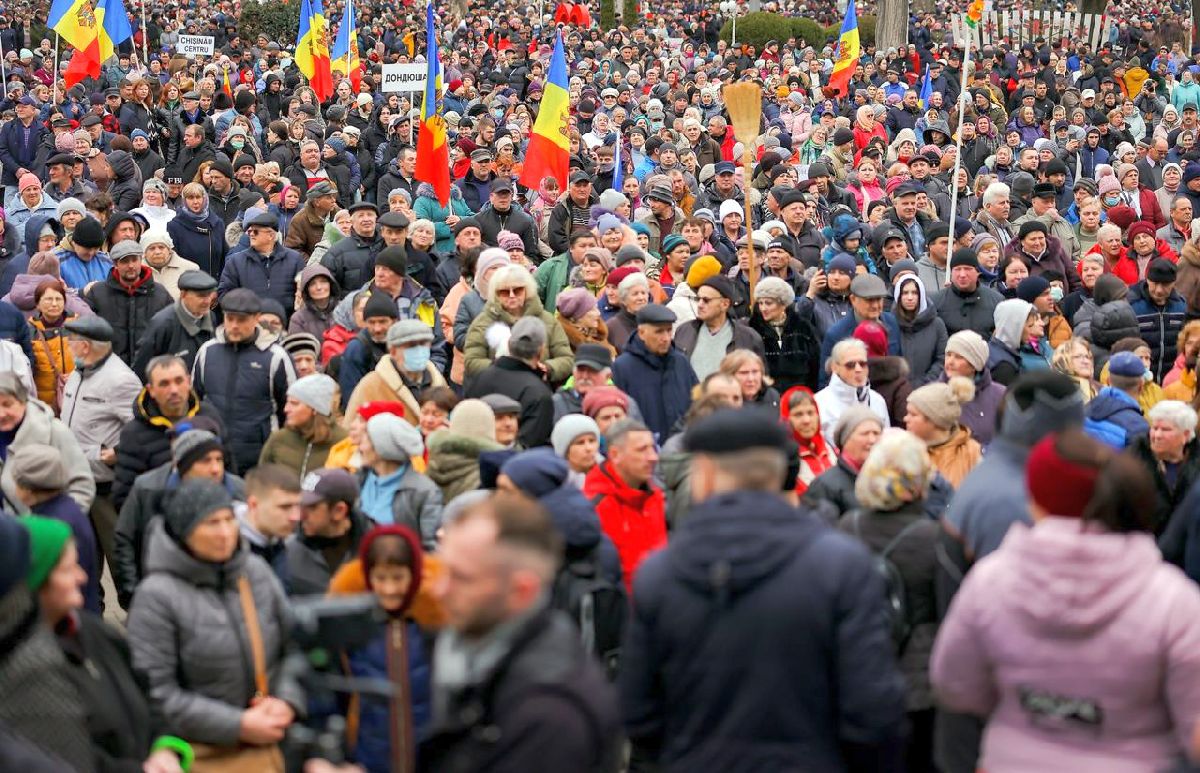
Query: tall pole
x=733, y=32
x=962, y=105
x=145, y=39
x=54, y=87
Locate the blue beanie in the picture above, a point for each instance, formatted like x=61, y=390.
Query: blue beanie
x=537, y=472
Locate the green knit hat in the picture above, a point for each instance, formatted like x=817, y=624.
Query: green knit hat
x=47, y=539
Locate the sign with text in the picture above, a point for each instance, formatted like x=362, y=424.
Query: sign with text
x=404, y=77
x=195, y=45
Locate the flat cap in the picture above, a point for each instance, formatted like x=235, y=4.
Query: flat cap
x=265, y=220
x=501, y=405
x=358, y=205
x=241, y=301
x=197, y=282
x=409, y=331
x=655, y=314
x=730, y=430
x=321, y=189
x=94, y=328
x=394, y=220
x=61, y=158
x=594, y=356
x=868, y=286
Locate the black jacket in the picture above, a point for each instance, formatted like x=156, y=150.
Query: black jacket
x=511, y=377
x=746, y=568
x=129, y=313
x=190, y=159
x=491, y=223
x=126, y=188
x=230, y=206
x=545, y=706
x=793, y=358
x=967, y=311
x=165, y=334
x=352, y=261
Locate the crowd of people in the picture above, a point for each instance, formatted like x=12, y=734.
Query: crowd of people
x=867, y=456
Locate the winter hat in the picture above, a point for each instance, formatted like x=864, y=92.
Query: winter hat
x=192, y=446
x=607, y=223
x=14, y=553
x=1031, y=288
x=367, y=411
x=601, y=397
x=414, y=549
x=966, y=256
x=394, y=439
x=971, y=347
x=599, y=255
x=301, y=343
x=89, y=233
x=1109, y=287
x=337, y=144
x=1122, y=216
x=537, y=472
x=492, y=256
x=473, y=418
x=507, y=240
x=980, y=240
x=896, y=472
x=317, y=391
x=569, y=428
x=942, y=403
x=875, y=336
x=776, y=289
x=27, y=180
x=70, y=204
x=1172, y=165
x=618, y=275
x=394, y=258
x=65, y=142
x=155, y=184
x=47, y=539
x=44, y=264
x=850, y=420
x=1108, y=184
x=1059, y=486
x=669, y=243
x=1191, y=172
x=1139, y=227
x=574, y=303
x=611, y=199
x=37, y=466
x=192, y=502
x=701, y=270
x=155, y=235
x=380, y=305
x=409, y=331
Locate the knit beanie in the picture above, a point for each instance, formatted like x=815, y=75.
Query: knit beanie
x=473, y=418
x=971, y=347
x=611, y=199
x=941, y=403
x=896, y=472
x=65, y=142
x=507, y=240
x=37, y=466
x=1121, y=216
x=380, y=305
x=157, y=235
x=601, y=397
x=701, y=270
x=14, y=553
x=492, y=256
x=1031, y=287
x=88, y=233
x=1139, y=227
x=155, y=184
x=874, y=335
x=192, y=446
x=394, y=258
x=394, y=439
x=70, y=204
x=569, y=428
x=1059, y=486
x=599, y=255
x=574, y=303
x=536, y=472
x=47, y=539
x=1108, y=184
x=317, y=391
x=44, y=264
x=192, y=502
x=849, y=421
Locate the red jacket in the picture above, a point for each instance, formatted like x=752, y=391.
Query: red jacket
x=1126, y=267
x=862, y=136
x=634, y=519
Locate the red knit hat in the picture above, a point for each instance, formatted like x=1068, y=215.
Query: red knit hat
x=1139, y=227
x=601, y=397
x=1121, y=216
x=414, y=546
x=376, y=407
x=1059, y=486
x=875, y=336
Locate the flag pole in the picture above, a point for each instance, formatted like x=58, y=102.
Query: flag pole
x=962, y=105
x=54, y=87
x=145, y=40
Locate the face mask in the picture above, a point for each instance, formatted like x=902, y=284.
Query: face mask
x=1056, y=294
x=416, y=358
x=1111, y=200
x=237, y=143
x=607, y=167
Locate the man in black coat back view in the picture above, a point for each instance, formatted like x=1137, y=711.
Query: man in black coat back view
x=748, y=573
x=518, y=375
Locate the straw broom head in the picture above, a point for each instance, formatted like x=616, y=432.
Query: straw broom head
x=744, y=102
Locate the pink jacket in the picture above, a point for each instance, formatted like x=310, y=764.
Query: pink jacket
x=1081, y=648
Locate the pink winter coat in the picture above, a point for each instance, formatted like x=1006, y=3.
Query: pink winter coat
x=1082, y=650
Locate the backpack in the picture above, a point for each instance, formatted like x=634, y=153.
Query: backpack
x=895, y=592
x=596, y=604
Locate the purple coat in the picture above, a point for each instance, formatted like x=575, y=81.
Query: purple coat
x=1080, y=648
x=979, y=415
x=25, y=285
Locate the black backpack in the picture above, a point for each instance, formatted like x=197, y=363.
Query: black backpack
x=597, y=605
x=895, y=592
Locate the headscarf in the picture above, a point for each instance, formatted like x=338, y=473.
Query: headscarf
x=185, y=211
x=813, y=450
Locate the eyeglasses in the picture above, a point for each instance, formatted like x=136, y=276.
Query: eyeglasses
x=855, y=364
x=708, y=298
x=510, y=292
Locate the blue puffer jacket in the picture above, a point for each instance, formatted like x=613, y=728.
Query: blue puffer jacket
x=1115, y=418
x=661, y=384
x=14, y=328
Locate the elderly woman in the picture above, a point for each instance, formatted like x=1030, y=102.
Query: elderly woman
x=512, y=294
x=1018, y=344
x=832, y=493
x=967, y=356
x=52, y=358
x=633, y=292
x=934, y=415
x=576, y=311
x=158, y=252
x=789, y=339
x=848, y=386
x=892, y=523
x=197, y=231
x=466, y=299
x=1169, y=455
x=208, y=629
x=798, y=410
x=154, y=203
x=455, y=450
x=1026, y=645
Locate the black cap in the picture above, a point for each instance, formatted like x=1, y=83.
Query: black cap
x=90, y=120
x=328, y=484
x=781, y=243
x=264, y=220
x=579, y=177
x=736, y=429
x=61, y=158
x=1162, y=271
x=964, y=256
x=906, y=188
x=93, y=328
x=88, y=233
x=502, y=184
x=356, y=206
x=937, y=230
x=1031, y=226
x=197, y=282
x=222, y=166
x=380, y=305
x=594, y=356
x=723, y=285
x=393, y=219
x=465, y=223
x=241, y=301
x=1044, y=191
x=654, y=314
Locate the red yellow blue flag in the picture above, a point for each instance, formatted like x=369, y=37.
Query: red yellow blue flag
x=846, y=57
x=433, y=150
x=549, y=150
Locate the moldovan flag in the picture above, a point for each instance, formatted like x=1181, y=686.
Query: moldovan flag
x=345, y=47
x=114, y=26
x=549, y=150
x=848, y=51
x=433, y=152
x=75, y=21
x=226, y=86
x=312, y=49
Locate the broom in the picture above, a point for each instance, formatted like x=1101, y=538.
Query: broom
x=744, y=102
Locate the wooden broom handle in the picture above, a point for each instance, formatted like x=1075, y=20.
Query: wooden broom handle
x=747, y=161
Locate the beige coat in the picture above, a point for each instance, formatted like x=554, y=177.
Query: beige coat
x=385, y=383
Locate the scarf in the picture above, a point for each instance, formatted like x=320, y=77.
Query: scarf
x=813, y=450
x=195, y=217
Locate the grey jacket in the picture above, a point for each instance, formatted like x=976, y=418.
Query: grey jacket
x=97, y=404
x=923, y=344
x=416, y=504
x=40, y=426
x=189, y=639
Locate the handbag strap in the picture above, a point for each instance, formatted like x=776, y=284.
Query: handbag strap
x=250, y=613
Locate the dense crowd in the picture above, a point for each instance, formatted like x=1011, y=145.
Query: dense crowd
x=892, y=506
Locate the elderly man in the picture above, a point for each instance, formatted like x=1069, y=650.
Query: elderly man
x=867, y=292
x=654, y=373
x=353, y=257
x=1178, y=230
x=664, y=218
x=265, y=267
x=707, y=339
x=406, y=371
x=993, y=215
x=502, y=214
x=128, y=299
x=1044, y=209
x=182, y=328
x=593, y=368
x=307, y=228
x=20, y=140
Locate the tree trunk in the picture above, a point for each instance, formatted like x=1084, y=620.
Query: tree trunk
x=1094, y=6
x=891, y=27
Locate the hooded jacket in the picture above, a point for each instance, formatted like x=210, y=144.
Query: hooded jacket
x=128, y=309
x=126, y=188
x=922, y=336
x=559, y=359
x=309, y=318
x=747, y=567
x=633, y=518
x=454, y=461
x=1028, y=639
x=1115, y=418
x=1158, y=326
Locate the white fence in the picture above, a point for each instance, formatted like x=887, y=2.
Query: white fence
x=1022, y=26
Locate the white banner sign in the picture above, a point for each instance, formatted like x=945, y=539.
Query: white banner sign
x=195, y=45
x=404, y=77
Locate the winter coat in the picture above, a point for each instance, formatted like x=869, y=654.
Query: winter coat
x=1108, y=324
x=957, y=456
x=308, y=571
x=386, y=382
x=167, y=333
x=791, y=352
x=1055, y=258
x=308, y=318
x=633, y=518
x=660, y=384
x=351, y=262
x=844, y=328
x=200, y=676
x=21, y=213
x=1027, y=644
x=359, y=358
x=126, y=188
x=1115, y=418
x=268, y=276
x=17, y=153
x=201, y=241
x=558, y=229
x=454, y=461
x=831, y=494
x=825, y=310
x=513, y=378
x=558, y=358
x=834, y=399
x=986, y=504
x=552, y=278
x=247, y=382
x=979, y=415
x=923, y=343
x=51, y=360
x=288, y=448
x=306, y=230
x=744, y=337
x=789, y=580
x=97, y=404
x=427, y=206
x=128, y=309
x=491, y=223
x=41, y=427
x=416, y=503
x=1158, y=326
x=1169, y=516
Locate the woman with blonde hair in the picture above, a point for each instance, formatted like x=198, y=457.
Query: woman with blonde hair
x=748, y=369
x=1074, y=358
x=198, y=232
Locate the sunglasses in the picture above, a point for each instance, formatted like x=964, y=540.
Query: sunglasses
x=855, y=364
x=510, y=292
